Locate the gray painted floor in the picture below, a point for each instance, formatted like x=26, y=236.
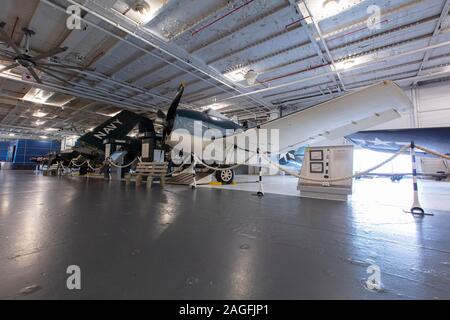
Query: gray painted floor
x=211, y=244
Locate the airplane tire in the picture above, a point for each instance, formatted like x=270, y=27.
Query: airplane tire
x=225, y=176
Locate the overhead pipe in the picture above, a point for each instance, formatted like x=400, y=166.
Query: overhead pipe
x=165, y=51
x=368, y=82
x=354, y=31
x=14, y=29
x=57, y=7
x=99, y=76
x=221, y=17
x=293, y=73
x=436, y=32
x=105, y=92
x=73, y=92
x=324, y=43
x=326, y=74
x=296, y=22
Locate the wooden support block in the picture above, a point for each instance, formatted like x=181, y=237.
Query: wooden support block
x=149, y=182
x=138, y=180
x=163, y=181
x=127, y=179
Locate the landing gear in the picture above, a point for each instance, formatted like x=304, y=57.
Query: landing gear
x=225, y=176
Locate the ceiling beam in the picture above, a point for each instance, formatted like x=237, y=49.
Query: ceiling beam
x=434, y=37
x=168, y=49
x=316, y=30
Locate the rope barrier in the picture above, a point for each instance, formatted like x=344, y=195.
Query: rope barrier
x=179, y=169
x=122, y=167
x=90, y=166
x=338, y=179
x=437, y=154
x=78, y=165
x=62, y=166
x=222, y=169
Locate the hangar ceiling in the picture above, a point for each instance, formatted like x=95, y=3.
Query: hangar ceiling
x=245, y=58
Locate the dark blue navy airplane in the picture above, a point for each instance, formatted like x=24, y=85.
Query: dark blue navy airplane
x=437, y=139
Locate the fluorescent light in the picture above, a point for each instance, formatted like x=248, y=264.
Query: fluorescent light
x=39, y=114
x=215, y=106
x=51, y=129
x=38, y=95
x=43, y=137
x=39, y=122
x=350, y=63
x=331, y=5
x=237, y=75
x=11, y=135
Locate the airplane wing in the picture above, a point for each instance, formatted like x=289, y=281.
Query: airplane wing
x=337, y=118
x=391, y=141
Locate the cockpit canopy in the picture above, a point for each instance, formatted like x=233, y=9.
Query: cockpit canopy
x=186, y=119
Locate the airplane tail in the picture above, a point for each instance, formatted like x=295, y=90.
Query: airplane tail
x=117, y=127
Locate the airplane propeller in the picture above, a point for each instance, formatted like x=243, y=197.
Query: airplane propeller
x=171, y=114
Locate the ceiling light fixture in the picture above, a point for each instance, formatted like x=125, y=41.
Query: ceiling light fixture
x=139, y=11
x=51, y=129
x=215, y=106
x=330, y=4
x=251, y=76
x=39, y=122
x=43, y=137
x=39, y=114
x=37, y=95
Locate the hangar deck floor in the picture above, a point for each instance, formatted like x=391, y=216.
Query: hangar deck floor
x=214, y=244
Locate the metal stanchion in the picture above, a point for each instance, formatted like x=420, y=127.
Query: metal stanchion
x=416, y=208
x=260, y=192
x=194, y=183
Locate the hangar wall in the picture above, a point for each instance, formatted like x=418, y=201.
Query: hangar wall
x=24, y=150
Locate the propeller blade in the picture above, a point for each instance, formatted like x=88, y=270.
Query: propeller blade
x=51, y=53
x=34, y=75
x=6, y=37
x=172, y=113
x=12, y=66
